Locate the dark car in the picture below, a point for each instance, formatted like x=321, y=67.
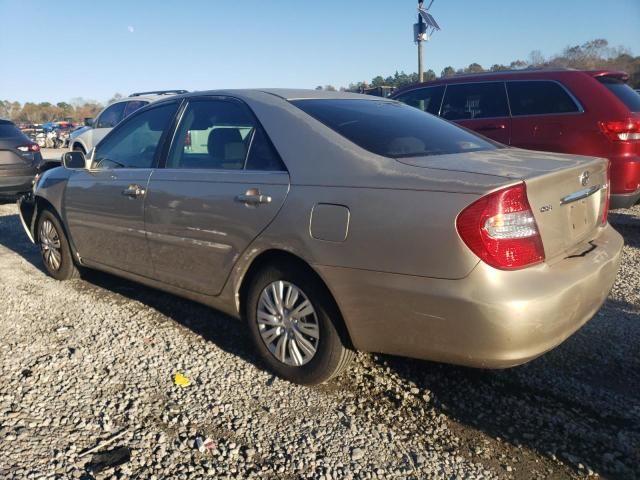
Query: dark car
x=568, y=111
x=20, y=160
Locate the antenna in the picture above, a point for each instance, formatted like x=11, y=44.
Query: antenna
x=422, y=32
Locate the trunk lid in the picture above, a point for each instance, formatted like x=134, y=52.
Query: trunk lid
x=567, y=193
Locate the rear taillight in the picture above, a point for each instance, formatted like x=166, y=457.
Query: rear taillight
x=626, y=131
x=501, y=230
x=32, y=147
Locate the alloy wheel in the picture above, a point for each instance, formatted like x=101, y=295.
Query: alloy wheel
x=50, y=245
x=288, y=323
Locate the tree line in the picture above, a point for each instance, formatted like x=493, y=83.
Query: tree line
x=76, y=110
x=591, y=55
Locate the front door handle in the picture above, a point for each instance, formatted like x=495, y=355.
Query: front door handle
x=253, y=197
x=134, y=191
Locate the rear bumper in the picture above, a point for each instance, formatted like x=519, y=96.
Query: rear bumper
x=624, y=200
x=490, y=319
x=16, y=181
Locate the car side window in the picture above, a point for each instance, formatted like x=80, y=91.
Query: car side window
x=539, y=98
x=426, y=99
x=475, y=100
x=134, y=143
x=223, y=135
x=111, y=116
x=133, y=106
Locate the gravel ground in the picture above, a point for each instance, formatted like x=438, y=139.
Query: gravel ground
x=86, y=360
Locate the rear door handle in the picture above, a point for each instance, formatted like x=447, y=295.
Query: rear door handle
x=134, y=191
x=487, y=128
x=253, y=197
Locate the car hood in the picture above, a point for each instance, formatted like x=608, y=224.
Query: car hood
x=503, y=162
x=79, y=131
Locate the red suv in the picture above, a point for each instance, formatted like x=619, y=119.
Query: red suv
x=569, y=111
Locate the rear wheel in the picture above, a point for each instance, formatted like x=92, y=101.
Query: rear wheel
x=293, y=324
x=54, y=248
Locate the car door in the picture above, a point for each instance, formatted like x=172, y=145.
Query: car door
x=481, y=107
x=223, y=183
x=104, y=205
x=543, y=115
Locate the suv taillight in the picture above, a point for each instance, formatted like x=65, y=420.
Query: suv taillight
x=626, y=131
x=32, y=147
x=501, y=230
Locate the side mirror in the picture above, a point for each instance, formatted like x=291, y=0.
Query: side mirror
x=88, y=122
x=74, y=160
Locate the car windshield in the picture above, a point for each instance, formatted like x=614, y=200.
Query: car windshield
x=624, y=92
x=393, y=129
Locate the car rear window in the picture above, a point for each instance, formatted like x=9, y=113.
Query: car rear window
x=539, y=97
x=624, y=92
x=392, y=129
x=9, y=130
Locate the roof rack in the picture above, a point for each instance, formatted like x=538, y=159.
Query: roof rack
x=159, y=92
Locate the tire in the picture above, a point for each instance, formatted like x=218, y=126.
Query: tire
x=79, y=148
x=54, y=248
x=310, y=329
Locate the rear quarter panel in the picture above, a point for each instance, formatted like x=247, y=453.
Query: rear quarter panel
x=398, y=231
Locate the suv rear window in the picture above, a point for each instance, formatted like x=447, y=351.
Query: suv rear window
x=475, y=100
x=9, y=130
x=392, y=129
x=624, y=92
x=539, y=97
x=426, y=99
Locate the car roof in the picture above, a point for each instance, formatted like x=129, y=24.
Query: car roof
x=529, y=73
x=283, y=93
x=6, y=122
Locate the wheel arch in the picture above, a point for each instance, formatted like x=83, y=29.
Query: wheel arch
x=41, y=204
x=282, y=257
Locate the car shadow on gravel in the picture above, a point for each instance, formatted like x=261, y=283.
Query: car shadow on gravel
x=224, y=331
x=13, y=237
x=579, y=403
x=628, y=226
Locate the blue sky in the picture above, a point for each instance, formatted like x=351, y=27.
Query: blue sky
x=54, y=51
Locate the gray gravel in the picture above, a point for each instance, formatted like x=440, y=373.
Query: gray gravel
x=86, y=360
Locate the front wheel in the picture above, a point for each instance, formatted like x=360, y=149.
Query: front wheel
x=293, y=323
x=54, y=248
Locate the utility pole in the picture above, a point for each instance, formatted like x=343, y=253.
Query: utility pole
x=422, y=31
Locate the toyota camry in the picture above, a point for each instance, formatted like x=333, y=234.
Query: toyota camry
x=332, y=222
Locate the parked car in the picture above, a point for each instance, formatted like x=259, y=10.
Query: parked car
x=84, y=139
x=567, y=111
x=332, y=222
x=20, y=160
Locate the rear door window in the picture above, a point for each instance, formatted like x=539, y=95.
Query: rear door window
x=426, y=99
x=475, y=100
x=132, y=107
x=221, y=135
x=539, y=98
x=624, y=92
x=111, y=116
x=392, y=129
